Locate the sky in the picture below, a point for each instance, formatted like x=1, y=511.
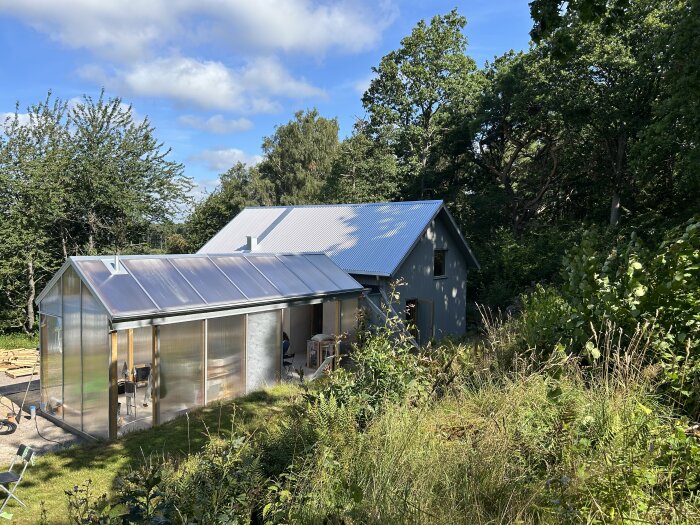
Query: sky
x=216, y=76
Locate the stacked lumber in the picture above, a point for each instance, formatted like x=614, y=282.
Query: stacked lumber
x=19, y=362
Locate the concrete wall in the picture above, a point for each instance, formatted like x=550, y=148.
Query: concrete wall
x=443, y=298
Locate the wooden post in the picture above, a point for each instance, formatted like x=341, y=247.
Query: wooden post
x=155, y=375
x=43, y=361
x=113, y=387
x=130, y=355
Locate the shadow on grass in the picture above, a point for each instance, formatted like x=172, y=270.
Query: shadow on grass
x=103, y=462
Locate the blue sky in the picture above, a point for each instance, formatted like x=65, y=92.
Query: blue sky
x=216, y=76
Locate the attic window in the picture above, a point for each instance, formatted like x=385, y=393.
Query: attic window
x=439, y=263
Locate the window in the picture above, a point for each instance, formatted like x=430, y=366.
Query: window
x=439, y=263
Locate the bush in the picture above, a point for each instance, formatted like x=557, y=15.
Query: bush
x=632, y=288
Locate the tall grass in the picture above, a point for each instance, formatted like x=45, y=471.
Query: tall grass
x=552, y=442
x=17, y=340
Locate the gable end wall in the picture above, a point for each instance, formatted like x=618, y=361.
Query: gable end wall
x=447, y=295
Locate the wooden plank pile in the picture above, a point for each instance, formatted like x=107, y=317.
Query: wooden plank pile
x=19, y=362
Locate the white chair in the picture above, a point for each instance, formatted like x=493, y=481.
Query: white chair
x=9, y=481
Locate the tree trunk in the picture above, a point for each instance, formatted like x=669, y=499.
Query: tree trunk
x=92, y=229
x=64, y=245
x=615, y=208
x=619, y=169
x=31, y=285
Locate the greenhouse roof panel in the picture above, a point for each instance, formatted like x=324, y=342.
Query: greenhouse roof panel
x=155, y=285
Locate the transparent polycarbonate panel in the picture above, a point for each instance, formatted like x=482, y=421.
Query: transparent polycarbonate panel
x=225, y=353
x=246, y=277
x=163, y=283
x=181, y=368
x=72, y=362
x=96, y=357
x=120, y=292
x=348, y=321
x=314, y=278
x=134, y=411
x=122, y=355
x=51, y=303
x=208, y=280
x=143, y=346
x=342, y=280
x=263, y=349
x=279, y=275
x=52, y=363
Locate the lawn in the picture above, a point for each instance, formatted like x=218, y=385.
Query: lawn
x=10, y=341
x=102, y=462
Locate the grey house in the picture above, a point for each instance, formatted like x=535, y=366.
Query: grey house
x=417, y=242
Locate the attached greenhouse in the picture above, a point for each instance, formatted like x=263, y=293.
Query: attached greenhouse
x=131, y=342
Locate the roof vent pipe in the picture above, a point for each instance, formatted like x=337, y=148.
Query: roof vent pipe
x=117, y=269
x=251, y=243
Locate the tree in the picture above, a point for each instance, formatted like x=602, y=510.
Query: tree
x=120, y=177
x=517, y=135
x=612, y=83
x=33, y=162
x=239, y=187
x=83, y=180
x=416, y=89
x=298, y=157
x=364, y=170
x=667, y=156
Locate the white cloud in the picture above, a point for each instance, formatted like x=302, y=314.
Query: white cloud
x=208, y=84
x=22, y=118
x=362, y=85
x=223, y=159
x=128, y=31
x=216, y=124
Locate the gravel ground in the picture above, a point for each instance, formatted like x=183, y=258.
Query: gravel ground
x=54, y=437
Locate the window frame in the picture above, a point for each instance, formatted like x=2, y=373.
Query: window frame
x=443, y=252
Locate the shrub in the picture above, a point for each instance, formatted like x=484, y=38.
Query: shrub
x=632, y=288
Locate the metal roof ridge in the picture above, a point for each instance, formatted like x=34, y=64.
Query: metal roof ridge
x=339, y=205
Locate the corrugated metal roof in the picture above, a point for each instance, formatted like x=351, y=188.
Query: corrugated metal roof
x=368, y=239
x=148, y=286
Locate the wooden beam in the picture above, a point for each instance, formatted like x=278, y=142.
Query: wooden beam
x=113, y=387
x=43, y=360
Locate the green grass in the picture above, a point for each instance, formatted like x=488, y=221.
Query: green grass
x=102, y=462
x=18, y=340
